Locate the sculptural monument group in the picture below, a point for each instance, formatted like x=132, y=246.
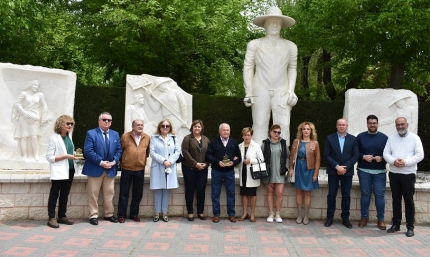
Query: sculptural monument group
x=33, y=97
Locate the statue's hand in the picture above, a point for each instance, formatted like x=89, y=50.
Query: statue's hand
x=292, y=98
x=248, y=101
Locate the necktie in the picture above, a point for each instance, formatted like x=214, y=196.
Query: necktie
x=106, y=143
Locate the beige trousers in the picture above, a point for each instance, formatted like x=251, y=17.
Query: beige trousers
x=94, y=184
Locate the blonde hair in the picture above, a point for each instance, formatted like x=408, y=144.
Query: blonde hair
x=246, y=130
x=59, y=123
x=313, y=135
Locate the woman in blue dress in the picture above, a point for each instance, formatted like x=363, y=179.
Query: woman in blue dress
x=305, y=163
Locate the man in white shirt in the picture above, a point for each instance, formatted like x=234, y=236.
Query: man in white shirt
x=403, y=151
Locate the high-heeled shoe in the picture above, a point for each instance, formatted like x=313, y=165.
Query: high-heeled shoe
x=202, y=216
x=243, y=218
x=252, y=219
x=190, y=218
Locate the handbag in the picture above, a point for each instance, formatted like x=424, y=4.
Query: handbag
x=292, y=179
x=259, y=170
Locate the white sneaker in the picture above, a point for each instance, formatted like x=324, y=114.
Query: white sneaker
x=270, y=218
x=278, y=217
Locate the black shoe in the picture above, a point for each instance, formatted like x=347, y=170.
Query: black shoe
x=202, y=216
x=328, y=222
x=394, y=228
x=347, y=224
x=190, y=218
x=410, y=232
x=111, y=219
x=94, y=221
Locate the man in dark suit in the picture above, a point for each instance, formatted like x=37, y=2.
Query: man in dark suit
x=341, y=153
x=102, y=149
x=220, y=149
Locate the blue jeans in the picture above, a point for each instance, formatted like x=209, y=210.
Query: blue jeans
x=129, y=178
x=377, y=183
x=218, y=177
x=345, y=188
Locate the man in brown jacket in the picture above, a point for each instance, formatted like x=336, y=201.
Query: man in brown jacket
x=135, y=147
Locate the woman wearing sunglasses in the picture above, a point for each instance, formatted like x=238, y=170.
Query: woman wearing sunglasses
x=62, y=170
x=164, y=151
x=276, y=156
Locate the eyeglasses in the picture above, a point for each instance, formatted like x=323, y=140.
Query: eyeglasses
x=106, y=120
x=70, y=123
x=164, y=126
x=276, y=132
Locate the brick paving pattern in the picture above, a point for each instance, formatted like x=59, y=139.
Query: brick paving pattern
x=179, y=237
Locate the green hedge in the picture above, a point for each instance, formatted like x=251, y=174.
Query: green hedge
x=213, y=110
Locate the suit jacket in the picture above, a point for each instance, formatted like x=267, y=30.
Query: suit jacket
x=334, y=157
x=95, y=149
x=58, y=170
x=216, y=152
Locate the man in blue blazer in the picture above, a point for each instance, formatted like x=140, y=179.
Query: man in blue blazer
x=341, y=154
x=223, y=171
x=102, y=149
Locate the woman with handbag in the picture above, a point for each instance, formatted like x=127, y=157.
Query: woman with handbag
x=304, y=165
x=276, y=155
x=164, y=151
x=251, y=154
x=195, y=168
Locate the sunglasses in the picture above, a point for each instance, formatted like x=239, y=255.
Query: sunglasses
x=277, y=132
x=106, y=120
x=164, y=126
x=70, y=123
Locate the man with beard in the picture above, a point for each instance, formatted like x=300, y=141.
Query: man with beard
x=372, y=171
x=403, y=151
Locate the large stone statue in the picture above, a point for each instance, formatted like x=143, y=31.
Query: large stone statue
x=164, y=100
x=31, y=99
x=271, y=87
x=29, y=113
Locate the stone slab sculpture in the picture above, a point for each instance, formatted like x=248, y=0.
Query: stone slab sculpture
x=269, y=75
x=31, y=100
x=152, y=99
x=386, y=104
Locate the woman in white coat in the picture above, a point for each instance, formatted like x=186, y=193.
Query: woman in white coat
x=164, y=151
x=62, y=169
x=250, y=151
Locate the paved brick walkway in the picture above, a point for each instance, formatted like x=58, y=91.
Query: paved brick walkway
x=179, y=237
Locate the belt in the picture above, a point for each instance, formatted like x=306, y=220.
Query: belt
x=303, y=159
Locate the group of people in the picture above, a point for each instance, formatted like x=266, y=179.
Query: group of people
x=373, y=150
x=104, y=149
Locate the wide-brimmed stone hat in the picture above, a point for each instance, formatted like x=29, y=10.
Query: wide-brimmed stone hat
x=274, y=12
x=398, y=97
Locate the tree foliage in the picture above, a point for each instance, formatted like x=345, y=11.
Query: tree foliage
x=201, y=44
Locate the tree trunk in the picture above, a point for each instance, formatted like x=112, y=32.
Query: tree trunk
x=327, y=68
x=326, y=75
x=397, y=76
x=305, y=74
